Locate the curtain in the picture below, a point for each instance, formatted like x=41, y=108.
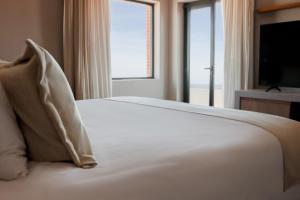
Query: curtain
x=86, y=41
x=238, y=64
x=175, y=72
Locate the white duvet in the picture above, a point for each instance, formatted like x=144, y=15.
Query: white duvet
x=150, y=153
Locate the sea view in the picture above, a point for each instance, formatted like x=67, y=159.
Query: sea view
x=199, y=94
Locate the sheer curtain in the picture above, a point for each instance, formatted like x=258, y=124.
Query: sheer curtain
x=87, y=47
x=238, y=28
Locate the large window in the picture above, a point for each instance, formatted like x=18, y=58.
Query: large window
x=204, y=53
x=132, y=39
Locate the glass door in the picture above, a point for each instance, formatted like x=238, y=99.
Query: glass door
x=204, y=53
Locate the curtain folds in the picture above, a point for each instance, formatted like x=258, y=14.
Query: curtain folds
x=87, y=47
x=238, y=28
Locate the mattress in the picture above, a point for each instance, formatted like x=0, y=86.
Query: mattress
x=147, y=152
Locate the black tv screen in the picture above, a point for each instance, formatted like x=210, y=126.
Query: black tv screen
x=279, y=61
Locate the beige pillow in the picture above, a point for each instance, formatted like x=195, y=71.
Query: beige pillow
x=2, y=63
x=42, y=98
x=13, y=161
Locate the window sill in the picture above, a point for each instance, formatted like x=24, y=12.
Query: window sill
x=134, y=79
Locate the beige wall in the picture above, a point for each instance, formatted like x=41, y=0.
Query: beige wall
x=40, y=20
x=279, y=16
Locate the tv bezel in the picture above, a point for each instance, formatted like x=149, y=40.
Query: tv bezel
x=258, y=79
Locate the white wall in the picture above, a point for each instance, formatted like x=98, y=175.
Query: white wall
x=274, y=17
x=175, y=81
x=176, y=46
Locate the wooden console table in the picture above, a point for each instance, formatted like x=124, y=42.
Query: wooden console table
x=285, y=104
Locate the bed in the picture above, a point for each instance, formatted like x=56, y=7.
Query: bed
x=153, y=149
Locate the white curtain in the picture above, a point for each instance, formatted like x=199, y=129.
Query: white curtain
x=238, y=28
x=87, y=47
x=175, y=80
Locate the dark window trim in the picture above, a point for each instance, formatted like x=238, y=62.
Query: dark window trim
x=186, y=51
x=153, y=43
x=133, y=78
x=141, y=2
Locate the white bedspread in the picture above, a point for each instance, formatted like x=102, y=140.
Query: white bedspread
x=148, y=153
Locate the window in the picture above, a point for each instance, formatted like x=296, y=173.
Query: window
x=204, y=53
x=132, y=39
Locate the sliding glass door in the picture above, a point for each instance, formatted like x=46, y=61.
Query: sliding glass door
x=204, y=53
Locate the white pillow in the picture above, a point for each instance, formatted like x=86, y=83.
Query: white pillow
x=13, y=161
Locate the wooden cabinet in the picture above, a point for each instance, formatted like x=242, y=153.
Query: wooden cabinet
x=276, y=103
x=280, y=108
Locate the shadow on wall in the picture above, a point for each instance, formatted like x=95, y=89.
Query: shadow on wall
x=262, y=3
x=51, y=26
x=40, y=20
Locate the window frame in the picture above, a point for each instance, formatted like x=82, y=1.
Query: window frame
x=152, y=45
x=186, y=50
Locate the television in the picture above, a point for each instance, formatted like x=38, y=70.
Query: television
x=279, y=59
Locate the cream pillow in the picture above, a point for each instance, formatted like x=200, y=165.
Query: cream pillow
x=49, y=119
x=13, y=162
x=2, y=62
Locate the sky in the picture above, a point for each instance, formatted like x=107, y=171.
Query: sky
x=128, y=39
x=128, y=42
x=200, y=46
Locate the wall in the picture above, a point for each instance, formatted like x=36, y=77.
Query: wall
x=175, y=81
x=279, y=16
x=176, y=49
x=40, y=20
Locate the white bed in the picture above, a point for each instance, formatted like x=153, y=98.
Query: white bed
x=152, y=153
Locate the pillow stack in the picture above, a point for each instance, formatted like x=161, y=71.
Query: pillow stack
x=43, y=101
x=12, y=146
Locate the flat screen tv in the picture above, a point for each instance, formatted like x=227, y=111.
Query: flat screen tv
x=279, y=61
